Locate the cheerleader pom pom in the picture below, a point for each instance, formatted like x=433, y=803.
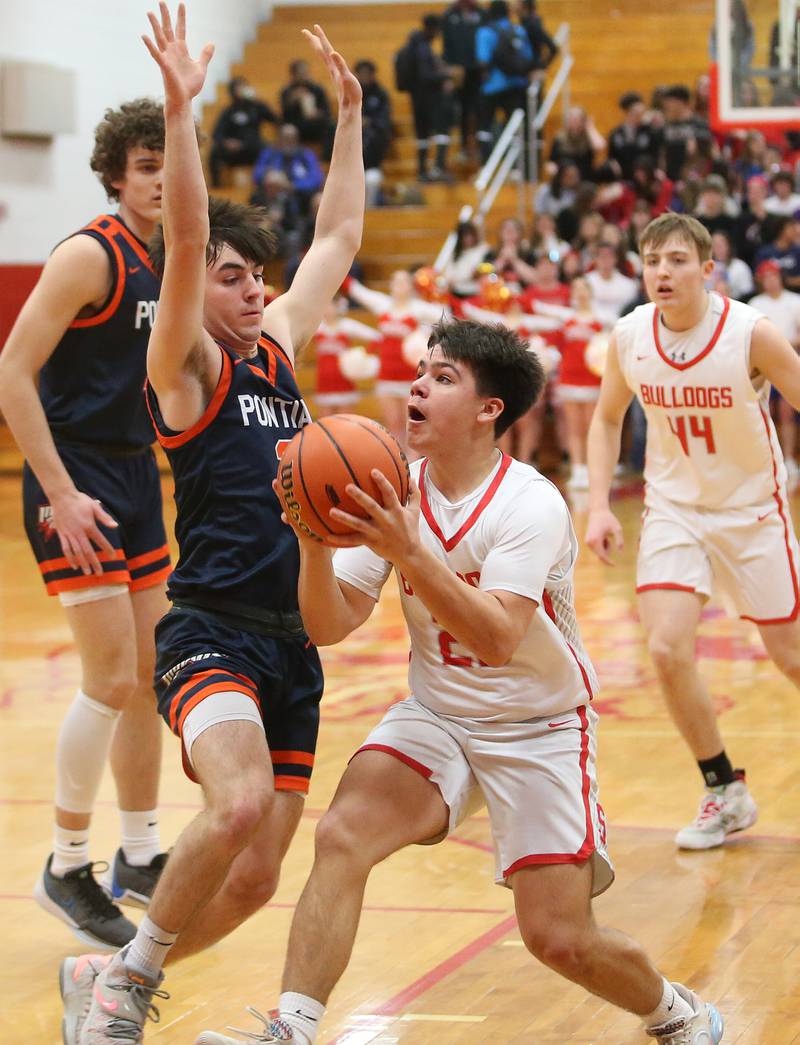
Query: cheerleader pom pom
x=356, y=364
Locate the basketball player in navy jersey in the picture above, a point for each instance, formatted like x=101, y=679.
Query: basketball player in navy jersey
x=236, y=676
x=92, y=501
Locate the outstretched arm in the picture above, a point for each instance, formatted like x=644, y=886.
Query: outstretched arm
x=181, y=356
x=293, y=317
x=774, y=357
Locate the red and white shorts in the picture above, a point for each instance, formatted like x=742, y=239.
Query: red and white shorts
x=537, y=780
x=749, y=554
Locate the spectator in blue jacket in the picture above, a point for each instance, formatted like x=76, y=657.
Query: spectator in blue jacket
x=299, y=164
x=501, y=88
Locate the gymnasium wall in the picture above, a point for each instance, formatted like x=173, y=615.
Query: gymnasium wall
x=46, y=188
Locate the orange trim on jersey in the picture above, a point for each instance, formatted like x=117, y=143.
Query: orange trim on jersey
x=448, y=543
x=299, y=758
x=244, y=685
x=291, y=783
x=111, y=307
x=92, y=581
x=207, y=691
x=269, y=342
x=726, y=305
x=143, y=560
x=665, y=587
x=171, y=442
x=136, y=246
x=48, y=565
x=150, y=580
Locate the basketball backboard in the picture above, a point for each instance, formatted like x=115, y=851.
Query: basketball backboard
x=755, y=71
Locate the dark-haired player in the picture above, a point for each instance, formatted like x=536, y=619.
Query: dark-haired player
x=237, y=678
x=499, y=710
x=92, y=501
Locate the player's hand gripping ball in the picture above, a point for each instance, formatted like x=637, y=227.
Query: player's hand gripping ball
x=326, y=456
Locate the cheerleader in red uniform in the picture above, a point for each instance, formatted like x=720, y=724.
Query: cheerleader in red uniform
x=400, y=313
x=335, y=334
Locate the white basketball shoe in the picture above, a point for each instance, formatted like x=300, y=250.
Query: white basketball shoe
x=274, y=1030
x=723, y=810
x=705, y=1027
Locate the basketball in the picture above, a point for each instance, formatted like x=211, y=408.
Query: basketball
x=323, y=458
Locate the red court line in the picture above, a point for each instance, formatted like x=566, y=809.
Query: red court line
x=395, y=1005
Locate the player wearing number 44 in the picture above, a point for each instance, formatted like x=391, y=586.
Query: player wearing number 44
x=716, y=510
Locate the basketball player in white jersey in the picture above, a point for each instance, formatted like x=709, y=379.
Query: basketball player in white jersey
x=499, y=710
x=716, y=512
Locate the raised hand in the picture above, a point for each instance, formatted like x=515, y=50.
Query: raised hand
x=348, y=89
x=183, y=75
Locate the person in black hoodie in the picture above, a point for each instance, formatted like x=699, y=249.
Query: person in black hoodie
x=459, y=25
x=236, y=138
x=430, y=99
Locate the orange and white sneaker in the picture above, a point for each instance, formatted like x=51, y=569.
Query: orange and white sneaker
x=120, y=1006
x=723, y=810
x=76, y=982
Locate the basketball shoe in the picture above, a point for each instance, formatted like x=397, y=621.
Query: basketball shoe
x=704, y=1028
x=76, y=980
x=723, y=810
x=132, y=884
x=275, y=1030
x=120, y=1006
x=79, y=900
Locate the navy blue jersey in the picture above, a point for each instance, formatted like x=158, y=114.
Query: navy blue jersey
x=232, y=542
x=91, y=386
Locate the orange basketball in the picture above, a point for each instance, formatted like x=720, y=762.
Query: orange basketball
x=323, y=458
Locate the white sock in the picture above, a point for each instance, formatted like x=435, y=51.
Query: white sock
x=140, y=837
x=70, y=850
x=149, y=949
x=671, y=1007
x=303, y=1014
x=82, y=752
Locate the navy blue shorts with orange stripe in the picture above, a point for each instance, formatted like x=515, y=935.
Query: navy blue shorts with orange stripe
x=129, y=488
x=198, y=655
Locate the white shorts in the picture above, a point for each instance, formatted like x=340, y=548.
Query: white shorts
x=750, y=554
x=577, y=393
x=536, y=778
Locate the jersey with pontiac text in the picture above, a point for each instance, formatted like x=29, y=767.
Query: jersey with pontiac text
x=232, y=542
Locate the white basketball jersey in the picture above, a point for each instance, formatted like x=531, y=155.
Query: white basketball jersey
x=513, y=533
x=710, y=440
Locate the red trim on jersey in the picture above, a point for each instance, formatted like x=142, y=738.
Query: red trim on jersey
x=665, y=587
x=726, y=305
x=782, y=512
x=588, y=846
x=418, y=767
x=448, y=543
x=210, y=412
x=108, y=311
x=547, y=604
